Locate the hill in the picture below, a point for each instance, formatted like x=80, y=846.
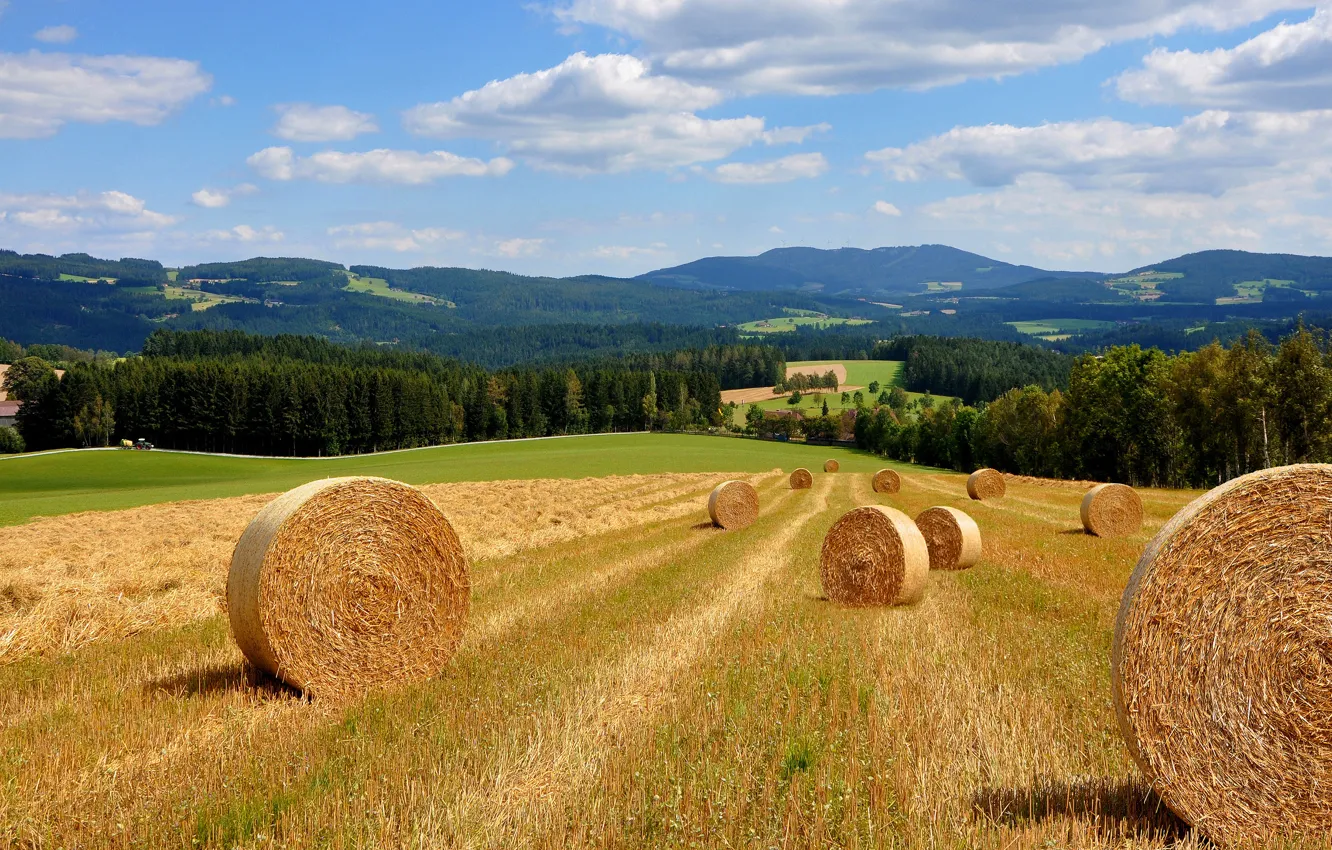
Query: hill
x=852, y=271
x=1247, y=277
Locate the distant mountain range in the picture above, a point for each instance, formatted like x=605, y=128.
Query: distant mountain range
x=853, y=271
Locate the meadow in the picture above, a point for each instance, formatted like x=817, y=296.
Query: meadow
x=859, y=373
x=630, y=677
x=1057, y=330
x=787, y=324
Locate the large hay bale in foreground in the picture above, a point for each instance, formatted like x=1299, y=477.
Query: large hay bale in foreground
x=953, y=537
x=346, y=584
x=874, y=556
x=986, y=484
x=887, y=481
x=831, y=466
x=1222, y=660
x=1111, y=510
x=801, y=479
x=734, y=505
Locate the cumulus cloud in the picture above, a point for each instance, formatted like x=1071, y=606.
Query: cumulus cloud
x=885, y=208
x=387, y=235
x=520, y=247
x=216, y=198
x=1206, y=153
x=628, y=252
x=376, y=166
x=1287, y=67
x=244, y=233
x=303, y=122
x=801, y=166
x=836, y=46
x=41, y=92
x=592, y=114
x=63, y=34
x=82, y=213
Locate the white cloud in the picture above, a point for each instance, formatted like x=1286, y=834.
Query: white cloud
x=303, y=122
x=224, y=100
x=83, y=213
x=801, y=166
x=885, y=208
x=381, y=235
x=1206, y=153
x=41, y=92
x=216, y=198
x=835, y=46
x=376, y=166
x=62, y=34
x=520, y=247
x=244, y=233
x=597, y=114
x=628, y=252
x=1287, y=67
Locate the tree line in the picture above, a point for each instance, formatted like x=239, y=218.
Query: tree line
x=1139, y=416
x=307, y=397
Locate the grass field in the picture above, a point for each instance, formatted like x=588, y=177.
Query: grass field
x=859, y=373
x=380, y=287
x=787, y=324
x=1054, y=330
x=630, y=677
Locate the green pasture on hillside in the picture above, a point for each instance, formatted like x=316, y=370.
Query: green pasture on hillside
x=787, y=324
x=70, y=482
x=1054, y=330
x=859, y=373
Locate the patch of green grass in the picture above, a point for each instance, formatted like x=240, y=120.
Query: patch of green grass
x=862, y=373
x=1061, y=328
x=380, y=287
x=201, y=300
x=859, y=373
x=173, y=275
x=942, y=286
x=787, y=324
x=69, y=482
x=80, y=278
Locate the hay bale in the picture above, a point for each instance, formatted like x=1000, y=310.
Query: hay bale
x=953, y=537
x=831, y=466
x=874, y=556
x=887, y=481
x=986, y=484
x=801, y=479
x=1221, y=668
x=347, y=584
x=1111, y=510
x=733, y=505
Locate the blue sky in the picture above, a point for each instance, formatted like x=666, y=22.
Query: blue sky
x=618, y=136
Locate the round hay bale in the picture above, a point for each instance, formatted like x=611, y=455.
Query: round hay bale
x=347, y=584
x=953, y=537
x=986, y=484
x=831, y=466
x=887, y=481
x=801, y=479
x=733, y=505
x=1221, y=668
x=874, y=556
x=1111, y=510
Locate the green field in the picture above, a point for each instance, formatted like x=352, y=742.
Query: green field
x=62, y=483
x=1054, y=330
x=945, y=286
x=787, y=324
x=380, y=287
x=859, y=373
x=80, y=278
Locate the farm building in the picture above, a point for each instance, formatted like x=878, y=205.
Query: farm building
x=9, y=412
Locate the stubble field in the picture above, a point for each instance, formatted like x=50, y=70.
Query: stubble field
x=630, y=678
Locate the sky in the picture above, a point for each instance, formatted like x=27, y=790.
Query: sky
x=614, y=137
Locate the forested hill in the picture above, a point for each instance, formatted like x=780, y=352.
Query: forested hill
x=902, y=270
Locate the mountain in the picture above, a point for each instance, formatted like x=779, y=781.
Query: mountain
x=853, y=271
x=1208, y=275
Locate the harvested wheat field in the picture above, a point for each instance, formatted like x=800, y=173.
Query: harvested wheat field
x=629, y=677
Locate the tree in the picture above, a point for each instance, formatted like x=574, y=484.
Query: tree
x=885, y=399
x=795, y=397
x=846, y=399
x=874, y=387
x=650, y=402
x=754, y=417
x=33, y=382
x=94, y=423
x=1300, y=381
x=825, y=407
x=11, y=442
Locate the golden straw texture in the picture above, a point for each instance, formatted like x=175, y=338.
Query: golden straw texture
x=801, y=479
x=734, y=505
x=1111, y=510
x=986, y=484
x=831, y=466
x=1222, y=661
x=874, y=556
x=953, y=537
x=347, y=584
x=887, y=481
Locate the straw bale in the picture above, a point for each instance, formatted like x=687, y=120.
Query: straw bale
x=831, y=466
x=1111, y=510
x=953, y=537
x=874, y=556
x=347, y=584
x=887, y=481
x=1222, y=661
x=986, y=484
x=801, y=479
x=734, y=505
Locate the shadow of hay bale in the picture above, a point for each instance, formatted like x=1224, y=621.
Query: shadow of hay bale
x=1079, y=532
x=216, y=679
x=1117, y=809
x=704, y=526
